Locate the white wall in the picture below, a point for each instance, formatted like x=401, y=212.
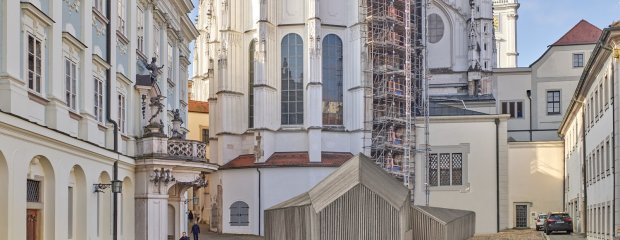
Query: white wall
x=479, y=192
x=536, y=178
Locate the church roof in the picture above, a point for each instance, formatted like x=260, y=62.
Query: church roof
x=198, y=106
x=582, y=33
x=289, y=159
x=359, y=170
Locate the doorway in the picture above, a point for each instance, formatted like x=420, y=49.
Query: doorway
x=32, y=224
x=521, y=214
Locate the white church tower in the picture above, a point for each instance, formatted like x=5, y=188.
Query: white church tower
x=505, y=22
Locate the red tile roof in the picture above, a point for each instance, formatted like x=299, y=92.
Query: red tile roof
x=289, y=159
x=198, y=106
x=582, y=33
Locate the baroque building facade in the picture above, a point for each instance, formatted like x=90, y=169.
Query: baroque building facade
x=75, y=97
x=286, y=91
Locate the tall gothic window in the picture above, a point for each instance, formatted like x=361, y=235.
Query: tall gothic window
x=292, y=80
x=251, y=84
x=332, y=80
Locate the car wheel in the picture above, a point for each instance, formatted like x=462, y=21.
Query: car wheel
x=569, y=231
x=547, y=232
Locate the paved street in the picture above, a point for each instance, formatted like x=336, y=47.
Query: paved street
x=527, y=234
x=214, y=236
x=564, y=236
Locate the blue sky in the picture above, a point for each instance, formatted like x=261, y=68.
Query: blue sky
x=542, y=22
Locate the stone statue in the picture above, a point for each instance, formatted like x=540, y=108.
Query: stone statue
x=153, y=68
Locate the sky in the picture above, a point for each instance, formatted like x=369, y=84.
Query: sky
x=542, y=22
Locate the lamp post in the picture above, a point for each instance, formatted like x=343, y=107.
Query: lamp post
x=529, y=96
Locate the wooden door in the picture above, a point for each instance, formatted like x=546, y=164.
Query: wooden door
x=32, y=224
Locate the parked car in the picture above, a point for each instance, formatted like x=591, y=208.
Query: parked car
x=558, y=221
x=540, y=221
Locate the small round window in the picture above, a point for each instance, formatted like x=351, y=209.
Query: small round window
x=435, y=28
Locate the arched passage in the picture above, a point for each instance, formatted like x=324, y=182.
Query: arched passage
x=40, y=195
x=104, y=209
x=76, y=204
x=4, y=198
x=127, y=209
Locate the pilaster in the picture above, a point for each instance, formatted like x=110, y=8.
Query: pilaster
x=314, y=88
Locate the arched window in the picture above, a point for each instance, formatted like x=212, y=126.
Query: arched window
x=292, y=101
x=251, y=84
x=239, y=214
x=332, y=80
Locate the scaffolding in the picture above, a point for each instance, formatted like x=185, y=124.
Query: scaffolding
x=395, y=83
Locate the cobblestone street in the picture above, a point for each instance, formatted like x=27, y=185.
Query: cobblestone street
x=564, y=236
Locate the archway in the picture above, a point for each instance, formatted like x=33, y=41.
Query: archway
x=104, y=209
x=4, y=198
x=40, y=195
x=127, y=210
x=76, y=212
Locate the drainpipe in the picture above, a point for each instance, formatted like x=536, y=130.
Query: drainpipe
x=497, y=167
x=110, y=120
x=613, y=137
x=529, y=96
x=259, y=205
x=583, y=173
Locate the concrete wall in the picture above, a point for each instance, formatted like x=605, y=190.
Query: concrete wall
x=477, y=136
x=536, y=178
x=277, y=185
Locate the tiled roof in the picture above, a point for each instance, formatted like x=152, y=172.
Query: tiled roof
x=197, y=106
x=289, y=159
x=582, y=33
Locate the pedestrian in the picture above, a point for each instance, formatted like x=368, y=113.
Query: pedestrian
x=195, y=230
x=190, y=216
x=184, y=237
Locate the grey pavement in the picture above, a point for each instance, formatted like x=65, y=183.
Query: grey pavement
x=565, y=236
x=215, y=236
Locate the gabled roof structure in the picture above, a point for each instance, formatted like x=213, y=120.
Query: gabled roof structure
x=582, y=33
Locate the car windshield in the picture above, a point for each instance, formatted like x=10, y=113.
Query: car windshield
x=542, y=216
x=559, y=216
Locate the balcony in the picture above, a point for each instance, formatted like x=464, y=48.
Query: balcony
x=187, y=150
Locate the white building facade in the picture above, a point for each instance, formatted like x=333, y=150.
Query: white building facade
x=505, y=16
x=72, y=104
x=589, y=135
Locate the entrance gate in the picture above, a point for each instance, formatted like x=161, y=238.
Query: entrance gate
x=521, y=213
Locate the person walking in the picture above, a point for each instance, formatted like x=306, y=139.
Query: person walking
x=184, y=237
x=195, y=231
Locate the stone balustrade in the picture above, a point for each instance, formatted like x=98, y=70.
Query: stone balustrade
x=187, y=149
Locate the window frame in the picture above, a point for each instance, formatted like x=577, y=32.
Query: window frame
x=204, y=135
x=121, y=23
x=38, y=70
x=578, y=60
x=251, y=80
x=71, y=82
x=332, y=71
x=509, y=107
x=140, y=29
x=122, y=113
x=553, y=102
x=99, y=103
x=294, y=94
x=463, y=150
x=436, y=31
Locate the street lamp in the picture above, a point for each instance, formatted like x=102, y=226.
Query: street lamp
x=116, y=186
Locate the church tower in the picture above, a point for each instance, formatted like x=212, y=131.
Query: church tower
x=505, y=22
